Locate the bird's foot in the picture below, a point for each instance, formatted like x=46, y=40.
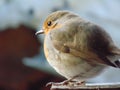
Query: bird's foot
x=79, y=83
x=67, y=83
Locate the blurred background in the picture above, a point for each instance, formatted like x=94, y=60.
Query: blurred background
x=22, y=62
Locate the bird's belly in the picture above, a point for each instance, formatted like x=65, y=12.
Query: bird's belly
x=70, y=66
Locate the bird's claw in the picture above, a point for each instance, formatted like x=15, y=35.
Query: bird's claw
x=57, y=84
x=49, y=84
x=82, y=83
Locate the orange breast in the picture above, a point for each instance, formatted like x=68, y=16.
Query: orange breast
x=45, y=51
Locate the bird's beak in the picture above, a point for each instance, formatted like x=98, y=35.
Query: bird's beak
x=39, y=32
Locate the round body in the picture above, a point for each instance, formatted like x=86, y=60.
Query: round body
x=76, y=48
x=68, y=65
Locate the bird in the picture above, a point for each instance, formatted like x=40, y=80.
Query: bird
x=76, y=48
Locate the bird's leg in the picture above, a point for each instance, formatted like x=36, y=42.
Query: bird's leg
x=82, y=83
x=67, y=82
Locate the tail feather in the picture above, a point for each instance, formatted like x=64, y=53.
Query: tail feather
x=116, y=51
x=117, y=63
x=116, y=55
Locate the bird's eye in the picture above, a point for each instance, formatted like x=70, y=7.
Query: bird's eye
x=49, y=23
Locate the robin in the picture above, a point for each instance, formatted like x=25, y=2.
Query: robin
x=76, y=48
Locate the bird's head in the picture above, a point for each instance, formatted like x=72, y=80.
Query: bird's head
x=55, y=21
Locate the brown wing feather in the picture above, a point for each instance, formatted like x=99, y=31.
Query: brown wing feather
x=100, y=44
x=97, y=44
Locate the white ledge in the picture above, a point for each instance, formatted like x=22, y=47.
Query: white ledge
x=88, y=86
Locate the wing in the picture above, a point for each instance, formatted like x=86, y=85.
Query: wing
x=91, y=43
x=101, y=44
